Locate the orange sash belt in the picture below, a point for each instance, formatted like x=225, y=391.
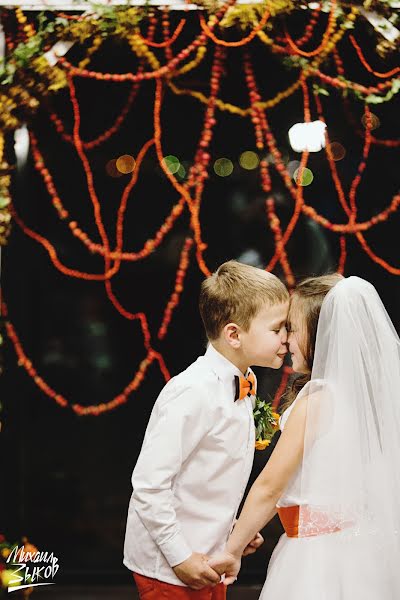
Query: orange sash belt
x=314, y=522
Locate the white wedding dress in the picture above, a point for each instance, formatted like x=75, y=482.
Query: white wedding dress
x=347, y=489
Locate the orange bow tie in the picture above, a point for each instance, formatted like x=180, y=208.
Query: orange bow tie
x=245, y=386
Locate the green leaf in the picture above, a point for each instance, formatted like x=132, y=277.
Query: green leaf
x=24, y=52
x=321, y=91
x=61, y=22
x=375, y=99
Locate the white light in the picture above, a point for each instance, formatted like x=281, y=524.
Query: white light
x=21, y=145
x=2, y=43
x=59, y=49
x=292, y=166
x=313, y=5
x=379, y=23
x=252, y=257
x=307, y=136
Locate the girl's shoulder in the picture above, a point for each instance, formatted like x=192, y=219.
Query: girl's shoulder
x=285, y=415
x=313, y=387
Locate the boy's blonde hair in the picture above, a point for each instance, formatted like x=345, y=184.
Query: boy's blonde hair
x=235, y=293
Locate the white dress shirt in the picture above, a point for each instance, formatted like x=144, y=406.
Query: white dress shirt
x=192, y=470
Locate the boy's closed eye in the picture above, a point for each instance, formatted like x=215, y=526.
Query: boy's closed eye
x=278, y=328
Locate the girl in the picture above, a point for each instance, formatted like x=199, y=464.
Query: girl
x=334, y=476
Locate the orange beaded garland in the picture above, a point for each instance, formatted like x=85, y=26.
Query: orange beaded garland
x=164, y=68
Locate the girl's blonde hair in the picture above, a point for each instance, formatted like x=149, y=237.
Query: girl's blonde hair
x=307, y=298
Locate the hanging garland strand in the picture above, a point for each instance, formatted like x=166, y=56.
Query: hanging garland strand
x=150, y=245
x=213, y=21
x=271, y=103
x=325, y=40
x=108, y=133
x=367, y=66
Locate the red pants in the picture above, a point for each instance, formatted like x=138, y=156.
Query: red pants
x=152, y=589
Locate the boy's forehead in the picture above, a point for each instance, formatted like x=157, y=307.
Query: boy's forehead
x=276, y=312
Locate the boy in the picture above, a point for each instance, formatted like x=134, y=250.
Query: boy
x=198, y=449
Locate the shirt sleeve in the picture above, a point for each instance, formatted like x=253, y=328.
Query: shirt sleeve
x=180, y=419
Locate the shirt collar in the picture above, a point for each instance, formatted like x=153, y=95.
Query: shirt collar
x=221, y=366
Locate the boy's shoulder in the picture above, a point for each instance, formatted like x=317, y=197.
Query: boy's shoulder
x=197, y=378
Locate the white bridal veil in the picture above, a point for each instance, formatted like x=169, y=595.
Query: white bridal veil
x=350, y=475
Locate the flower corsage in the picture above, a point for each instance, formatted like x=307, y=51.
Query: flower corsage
x=266, y=423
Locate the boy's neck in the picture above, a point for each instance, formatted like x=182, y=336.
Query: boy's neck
x=234, y=356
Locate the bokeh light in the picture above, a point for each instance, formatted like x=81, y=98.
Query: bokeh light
x=307, y=176
x=181, y=172
x=292, y=166
x=172, y=163
x=375, y=122
x=249, y=160
x=223, y=167
x=308, y=136
x=284, y=156
x=125, y=164
x=337, y=150
x=111, y=168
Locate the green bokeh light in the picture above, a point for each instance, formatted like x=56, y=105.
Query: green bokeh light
x=223, y=167
x=249, y=160
x=307, y=177
x=172, y=163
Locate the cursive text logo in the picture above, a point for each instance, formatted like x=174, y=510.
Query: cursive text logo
x=31, y=569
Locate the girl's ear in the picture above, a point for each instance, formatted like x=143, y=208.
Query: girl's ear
x=231, y=335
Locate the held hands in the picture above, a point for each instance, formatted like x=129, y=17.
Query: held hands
x=196, y=572
x=227, y=563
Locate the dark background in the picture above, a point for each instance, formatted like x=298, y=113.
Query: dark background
x=66, y=479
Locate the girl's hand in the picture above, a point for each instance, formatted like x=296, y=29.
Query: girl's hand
x=253, y=545
x=226, y=563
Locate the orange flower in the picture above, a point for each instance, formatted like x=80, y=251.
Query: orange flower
x=262, y=444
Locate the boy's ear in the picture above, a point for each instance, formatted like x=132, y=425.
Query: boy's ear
x=231, y=335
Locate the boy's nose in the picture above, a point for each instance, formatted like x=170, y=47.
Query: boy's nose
x=284, y=337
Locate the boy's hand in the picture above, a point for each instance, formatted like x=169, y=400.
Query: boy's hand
x=253, y=546
x=196, y=573
x=226, y=563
